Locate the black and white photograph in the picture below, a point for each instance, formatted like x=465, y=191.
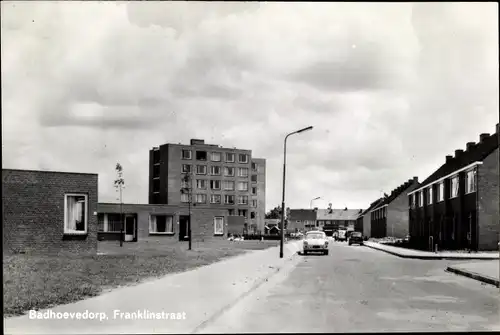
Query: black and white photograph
x=217, y=167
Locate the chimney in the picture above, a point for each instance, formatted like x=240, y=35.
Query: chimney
x=415, y=179
x=458, y=152
x=482, y=137
x=195, y=141
x=449, y=158
x=470, y=145
x=315, y=209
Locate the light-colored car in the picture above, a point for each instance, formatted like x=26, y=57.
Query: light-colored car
x=315, y=241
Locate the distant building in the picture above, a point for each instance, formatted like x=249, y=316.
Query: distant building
x=365, y=218
x=457, y=207
x=330, y=220
x=222, y=178
x=302, y=220
x=272, y=226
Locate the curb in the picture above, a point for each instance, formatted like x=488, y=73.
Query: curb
x=432, y=257
x=473, y=275
x=229, y=305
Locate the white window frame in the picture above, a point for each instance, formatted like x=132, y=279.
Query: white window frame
x=190, y=154
x=246, y=158
x=421, y=200
x=219, y=226
x=440, y=192
x=228, y=154
x=255, y=166
x=183, y=170
x=184, y=195
x=152, y=232
x=202, y=181
x=204, y=170
x=241, y=174
x=452, y=195
x=228, y=182
x=254, y=188
x=212, y=196
x=226, y=197
x=429, y=195
x=256, y=178
x=254, y=203
x=226, y=169
x=413, y=201
x=241, y=200
x=212, y=168
x=242, y=212
x=214, y=154
x=203, y=196
x=215, y=181
x=240, y=183
x=470, y=188
x=86, y=215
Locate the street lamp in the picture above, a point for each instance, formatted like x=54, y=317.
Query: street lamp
x=283, y=198
x=311, y=204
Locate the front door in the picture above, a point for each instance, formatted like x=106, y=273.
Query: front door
x=183, y=228
x=129, y=228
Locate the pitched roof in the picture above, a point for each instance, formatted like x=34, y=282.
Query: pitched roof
x=338, y=214
x=302, y=214
x=411, y=183
x=372, y=205
x=476, y=153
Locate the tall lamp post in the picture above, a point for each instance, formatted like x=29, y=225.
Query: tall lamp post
x=311, y=203
x=188, y=190
x=282, y=233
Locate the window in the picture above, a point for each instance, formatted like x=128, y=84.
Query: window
x=186, y=154
x=421, y=198
x=470, y=181
x=184, y=197
x=229, y=199
x=215, y=157
x=440, y=191
x=201, y=155
x=75, y=213
x=254, y=203
x=243, y=200
x=215, y=199
x=242, y=172
x=254, y=178
x=156, y=171
x=186, y=168
x=161, y=224
x=201, y=198
x=242, y=186
x=215, y=170
x=229, y=171
x=252, y=215
x=184, y=184
x=254, y=166
x=218, y=225
x=156, y=185
x=242, y=212
x=201, y=169
x=230, y=212
x=110, y=222
x=429, y=196
x=229, y=185
x=254, y=190
x=201, y=184
x=215, y=184
x=410, y=200
x=242, y=158
x=454, y=187
x=229, y=157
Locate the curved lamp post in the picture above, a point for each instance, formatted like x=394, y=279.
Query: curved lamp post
x=282, y=233
x=311, y=203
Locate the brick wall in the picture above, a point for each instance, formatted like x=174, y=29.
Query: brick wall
x=367, y=226
x=398, y=221
x=202, y=227
x=260, y=211
x=488, y=205
x=33, y=212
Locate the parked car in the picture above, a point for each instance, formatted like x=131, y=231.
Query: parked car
x=315, y=241
x=356, y=238
x=342, y=235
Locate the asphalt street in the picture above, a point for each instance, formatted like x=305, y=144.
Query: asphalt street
x=358, y=289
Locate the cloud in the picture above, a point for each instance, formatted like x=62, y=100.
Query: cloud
x=389, y=88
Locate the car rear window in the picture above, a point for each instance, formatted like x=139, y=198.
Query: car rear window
x=314, y=236
x=356, y=234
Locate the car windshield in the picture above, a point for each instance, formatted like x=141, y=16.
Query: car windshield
x=356, y=234
x=314, y=236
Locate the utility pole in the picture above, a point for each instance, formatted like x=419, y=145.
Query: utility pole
x=188, y=182
x=120, y=185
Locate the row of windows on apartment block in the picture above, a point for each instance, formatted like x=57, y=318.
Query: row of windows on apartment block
x=217, y=157
x=158, y=224
x=217, y=199
x=417, y=199
x=215, y=171
x=215, y=185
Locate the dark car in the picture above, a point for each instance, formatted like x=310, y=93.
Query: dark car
x=356, y=238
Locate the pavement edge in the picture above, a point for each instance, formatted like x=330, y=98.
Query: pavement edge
x=473, y=275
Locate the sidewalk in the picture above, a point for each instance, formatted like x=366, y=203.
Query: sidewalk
x=486, y=271
x=200, y=294
x=417, y=254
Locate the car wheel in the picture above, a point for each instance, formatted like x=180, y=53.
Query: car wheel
x=326, y=253
x=305, y=252
x=350, y=243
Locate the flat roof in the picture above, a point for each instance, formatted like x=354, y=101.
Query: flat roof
x=50, y=171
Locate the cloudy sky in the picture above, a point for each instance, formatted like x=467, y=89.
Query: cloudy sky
x=390, y=89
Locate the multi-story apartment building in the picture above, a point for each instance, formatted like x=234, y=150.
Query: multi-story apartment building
x=220, y=178
x=457, y=207
x=390, y=216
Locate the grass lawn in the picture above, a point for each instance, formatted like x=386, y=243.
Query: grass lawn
x=36, y=282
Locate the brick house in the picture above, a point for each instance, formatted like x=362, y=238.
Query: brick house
x=365, y=218
x=166, y=222
x=330, y=220
x=390, y=216
x=47, y=212
x=302, y=220
x=457, y=207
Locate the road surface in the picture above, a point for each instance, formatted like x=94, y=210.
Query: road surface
x=358, y=289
